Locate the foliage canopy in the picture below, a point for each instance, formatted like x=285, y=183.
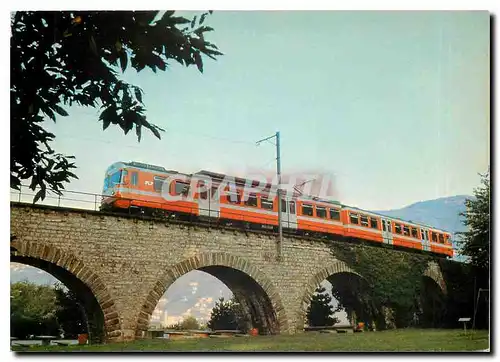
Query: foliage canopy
x=188, y=323
x=227, y=315
x=44, y=310
x=320, y=311
x=60, y=58
x=475, y=242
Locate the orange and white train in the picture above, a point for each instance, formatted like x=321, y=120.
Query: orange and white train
x=139, y=187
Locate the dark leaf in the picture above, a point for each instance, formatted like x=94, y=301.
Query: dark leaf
x=117, y=88
x=193, y=22
x=123, y=60
x=15, y=183
x=50, y=164
x=203, y=29
x=59, y=110
x=156, y=132
x=126, y=100
x=168, y=13
x=138, y=132
x=105, y=123
x=202, y=18
x=40, y=195
x=199, y=62
x=138, y=94
x=109, y=113
x=49, y=113
x=33, y=183
x=178, y=20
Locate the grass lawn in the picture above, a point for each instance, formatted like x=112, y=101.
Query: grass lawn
x=394, y=340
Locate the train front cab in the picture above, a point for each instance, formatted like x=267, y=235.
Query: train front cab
x=113, y=178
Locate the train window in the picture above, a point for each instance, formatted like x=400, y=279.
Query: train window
x=383, y=225
x=334, y=214
x=354, y=219
x=307, y=210
x=203, y=195
x=181, y=188
x=373, y=223
x=441, y=238
x=158, y=183
x=426, y=235
x=422, y=234
x=434, y=236
x=398, y=228
x=252, y=200
x=406, y=230
x=414, y=232
x=321, y=212
x=283, y=205
x=389, y=226
x=134, y=178
x=123, y=177
x=215, y=192
x=364, y=220
x=233, y=197
x=115, y=179
x=266, y=203
x=292, y=207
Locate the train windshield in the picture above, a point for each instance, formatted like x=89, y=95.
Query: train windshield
x=112, y=180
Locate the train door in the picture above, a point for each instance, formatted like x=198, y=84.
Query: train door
x=208, y=202
x=288, y=214
x=426, y=245
x=387, y=231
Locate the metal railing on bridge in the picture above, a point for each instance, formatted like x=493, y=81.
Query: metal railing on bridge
x=71, y=199
x=92, y=201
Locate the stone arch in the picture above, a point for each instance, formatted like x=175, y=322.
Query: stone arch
x=203, y=262
x=433, y=271
x=74, y=273
x=432, y=300
x=334, y=268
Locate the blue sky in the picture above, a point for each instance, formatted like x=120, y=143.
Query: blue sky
x=395, y=105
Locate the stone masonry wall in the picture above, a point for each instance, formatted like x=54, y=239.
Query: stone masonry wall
x=129, y=263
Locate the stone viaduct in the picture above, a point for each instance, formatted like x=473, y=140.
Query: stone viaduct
x=120, y=266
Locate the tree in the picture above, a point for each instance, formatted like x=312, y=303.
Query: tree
x=475, y=242
x=188, y=323
x=69, y=312
x=320, y=311
x=226, y=315
x=59, y=58
x=32, y=310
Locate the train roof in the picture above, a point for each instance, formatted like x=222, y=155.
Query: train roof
x=149, y=167
x=304, y=197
